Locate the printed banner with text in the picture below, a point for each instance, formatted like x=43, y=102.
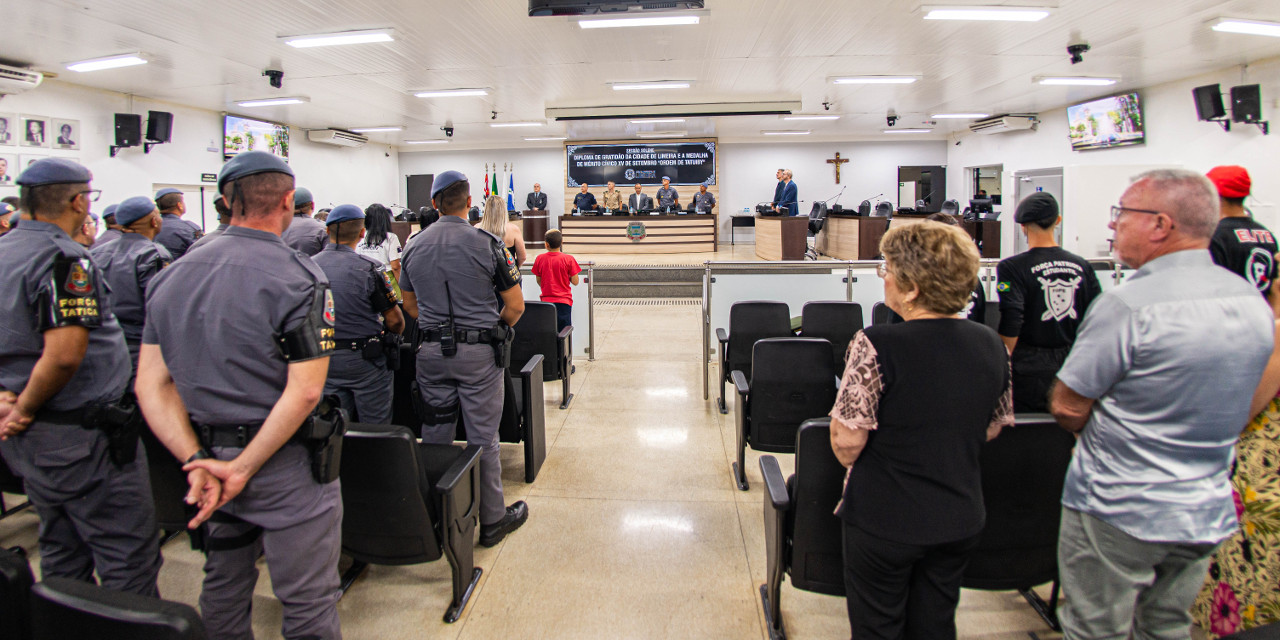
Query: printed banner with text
x=690, y=163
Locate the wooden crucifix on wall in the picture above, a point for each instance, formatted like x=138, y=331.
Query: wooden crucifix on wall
x=837, y=161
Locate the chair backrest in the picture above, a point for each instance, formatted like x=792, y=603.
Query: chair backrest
x=168, y=484
x=881, y=314
x=1023, y=471
x=63, y=608
x=536, y=333
x=9, y=481
x=816, y=551
x=15, y=594
x=794, y=379
x=385, y=496
x=992, y=317
x=837, y=322
x=752, y=321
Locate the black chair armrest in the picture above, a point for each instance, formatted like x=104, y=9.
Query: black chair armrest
x=527, y=370
x=564, y=333
x=722, y=336
x=775, y=486
x=740, y=383
x=458, y=470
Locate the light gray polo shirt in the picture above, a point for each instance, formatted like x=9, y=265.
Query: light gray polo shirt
x=1172, y=357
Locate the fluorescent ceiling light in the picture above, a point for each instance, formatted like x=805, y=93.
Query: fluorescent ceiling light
x=959, y=116
x=801, y=117
x=658, y=121
x=908, y=130
x=874, y=80
x=450, y=93
x=341, y=37
x=639, y=21
x=375, y=129
x=1250, y=27
x=638, y=86
x=499, y=125
x=546, y=138
x=662, y=134
x=986, y=13
x=273, y=102
x=1078, y=81
x=425, y=141
x=787, y=132
x=109, y=62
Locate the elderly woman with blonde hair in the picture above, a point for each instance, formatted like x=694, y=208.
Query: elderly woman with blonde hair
x=917, y=401
x=496, y=222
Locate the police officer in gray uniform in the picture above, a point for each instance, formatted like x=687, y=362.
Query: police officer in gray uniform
x=448, y=275
x=363, y=300
x=113, y=228
x=668, y=198
x=176, y=235
x=128, y=265
x=306, y=234
x=224, y=221
x=236, y=404
x=63, y=363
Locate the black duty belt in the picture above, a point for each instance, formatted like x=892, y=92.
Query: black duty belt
x=233, y=435
x=466, y=336
x=355, y=344
x=74, y=417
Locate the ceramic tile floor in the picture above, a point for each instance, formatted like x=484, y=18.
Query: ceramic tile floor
x=636, y=530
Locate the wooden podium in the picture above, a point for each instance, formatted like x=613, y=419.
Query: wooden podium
x=781, y=237
x=535, y=227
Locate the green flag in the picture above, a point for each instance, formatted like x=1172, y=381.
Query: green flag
x=495, y=183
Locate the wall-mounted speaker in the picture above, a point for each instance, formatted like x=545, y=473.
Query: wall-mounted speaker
x=1209, y=102
x=128, y=130
x=159, y=126
x=1246, y=103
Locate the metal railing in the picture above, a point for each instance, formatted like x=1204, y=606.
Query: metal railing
x=589, y=283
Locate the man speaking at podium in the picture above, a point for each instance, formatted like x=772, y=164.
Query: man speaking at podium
x=536, y=199
x=788, y=203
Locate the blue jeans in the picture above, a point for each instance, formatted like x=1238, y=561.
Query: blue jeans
x=564, y=315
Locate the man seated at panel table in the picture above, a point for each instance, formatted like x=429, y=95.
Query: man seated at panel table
x=703, y=201
x=584, y=201
x=668, y=198
x=639, y=201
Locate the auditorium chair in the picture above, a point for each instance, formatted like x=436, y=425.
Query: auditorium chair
x=802, y=534
x=523, y=415
x=1023, y=471
x=836, y=322
x=748, y=322
x=16, y=579
x=10, y=483
x=536, y=333
x=406, y=502
x=62, y=608
x=168, y=488
x=794, y=380
x=881, y=314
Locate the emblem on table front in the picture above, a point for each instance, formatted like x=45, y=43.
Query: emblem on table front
x=635, y=231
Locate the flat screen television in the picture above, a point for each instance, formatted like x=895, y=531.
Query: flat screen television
x=240, y=134
x=1106, y=123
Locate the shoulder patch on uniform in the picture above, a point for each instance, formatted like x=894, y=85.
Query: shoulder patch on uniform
x=77, y=282
x=1003, y=286
x=329, y=317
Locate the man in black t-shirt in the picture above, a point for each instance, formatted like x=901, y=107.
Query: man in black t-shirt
x=1044, y=293
x=1240, y=244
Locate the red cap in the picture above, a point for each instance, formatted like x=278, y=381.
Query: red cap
x=1231, y=181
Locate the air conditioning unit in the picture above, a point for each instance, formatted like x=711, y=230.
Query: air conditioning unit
x=14, y=80
x=592, y=7
x=1005, y=124
x=337, y=137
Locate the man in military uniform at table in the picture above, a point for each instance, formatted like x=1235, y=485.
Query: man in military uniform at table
x=235, y=401
x=584, y=201
x=305, y=233
x=703, y=201
x=667, y=196
x=176, y=235
x=448, y=276
x=362, y=300
x=63, y=365
x=611, y=199
x=129, y=264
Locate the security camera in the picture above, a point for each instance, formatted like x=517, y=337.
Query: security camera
x=448, y=131
x=1077, y=51
x=826, y=106
x=275, y=77
x=891, y=120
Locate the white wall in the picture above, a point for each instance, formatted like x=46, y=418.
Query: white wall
x=334, y=174
x=544, y=165
x=1174, y=138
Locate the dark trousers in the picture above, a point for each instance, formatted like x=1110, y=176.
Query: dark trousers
x=564, y=315
x=902, y=591
x=1034, y=369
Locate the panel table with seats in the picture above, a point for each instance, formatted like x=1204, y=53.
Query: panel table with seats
x=665, y=233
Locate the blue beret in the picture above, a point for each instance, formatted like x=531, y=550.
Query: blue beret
x=109, y=211
x=666, y=178
x=133, y=210
x=343, y=213
x=166, y=191
x=5, y=209
x=301, y=196
x=54, y=171
x=444, y=181
x=93, y=216
x=251, y=163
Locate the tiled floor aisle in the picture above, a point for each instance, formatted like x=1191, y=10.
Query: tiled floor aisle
x=635, y=529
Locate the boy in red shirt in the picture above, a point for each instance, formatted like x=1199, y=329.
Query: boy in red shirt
x=556, y=272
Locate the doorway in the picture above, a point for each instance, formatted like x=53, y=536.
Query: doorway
x=922, y=188
x=199, y=200
x=1032, y=181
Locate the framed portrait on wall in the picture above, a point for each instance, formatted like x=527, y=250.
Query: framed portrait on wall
x=26, y=159
x=8, y=169
x=35, y=131
x=8, y=129
x=65, y=134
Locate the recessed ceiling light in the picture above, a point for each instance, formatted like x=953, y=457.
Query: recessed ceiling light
x=546, y=138
x=658, y=121
x=425, y=141
x=1077, y=81
x=1250, y=27
x=959, y=116
x=594, y=22
x=908, y=130
x=109, y=62
x=803, y=117
x=640, y=86
x=874, y=80
x=450, y=93
x=273, y=102
x=499, y=125
x=339, y=38
x=662, y=134
x=986, y=13
x=787, y=132
x=375, y=129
